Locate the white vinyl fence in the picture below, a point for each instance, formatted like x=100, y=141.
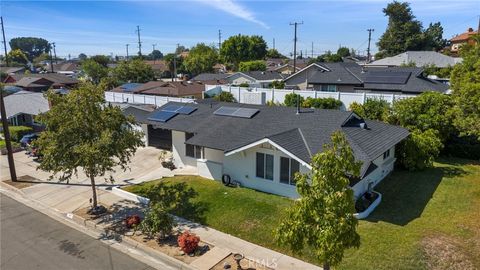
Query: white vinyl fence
x=142, y=99
x=242, y=95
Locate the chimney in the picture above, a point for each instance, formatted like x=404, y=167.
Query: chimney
x=470, y=30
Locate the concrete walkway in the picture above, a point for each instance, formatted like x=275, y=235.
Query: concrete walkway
x=68, y=198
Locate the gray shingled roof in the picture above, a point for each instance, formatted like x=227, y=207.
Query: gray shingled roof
x=303, y=135
x=210, y=76
x=420, y=58
x=262, y=75
x=25, y=102
x=354, y=74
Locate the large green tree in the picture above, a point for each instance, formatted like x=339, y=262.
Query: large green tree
x=86, y=133
x=201, y=58
x=343, y=51
x=274, y=53
x=322, y=219
x=93, y=70
x=241, y=48
x=433, y=37
x=403, y=32
x=465, y=82
x=134, y=71
x=170, y=59
x=17, y=57
x=255, y=65
x=31, y=46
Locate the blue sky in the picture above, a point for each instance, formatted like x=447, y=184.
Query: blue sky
x=104, y=27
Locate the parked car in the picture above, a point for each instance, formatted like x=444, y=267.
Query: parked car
x=28, y=139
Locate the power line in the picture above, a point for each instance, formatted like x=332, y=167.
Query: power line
x=295, y=24
x=139, y=42
x=369, y=39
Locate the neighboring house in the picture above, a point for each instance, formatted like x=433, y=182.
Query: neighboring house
x=186, y=89
x=262, y=147
x=140, y=113
x=350, y=77
x=41, y=82
x=211, y=77
x=274, y=63
x=127, y=87
x=462, y=39
x=419, y=58
x=12, y=70
x=22, y=107
x=67, y=68
x=255, y=78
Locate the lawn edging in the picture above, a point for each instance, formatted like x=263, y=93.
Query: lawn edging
x=130, y=196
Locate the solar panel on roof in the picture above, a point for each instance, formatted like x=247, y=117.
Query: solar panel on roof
x=245, y=112
x=387, y=77
x=236, y=112
x=226, y=111
x=171, y=108
x=162, y=116
x=186, y=110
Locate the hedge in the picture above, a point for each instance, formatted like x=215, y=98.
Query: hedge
x=17, y=132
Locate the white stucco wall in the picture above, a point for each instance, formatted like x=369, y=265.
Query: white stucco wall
x=384, y=168
x=242, y=168
x=178, y=151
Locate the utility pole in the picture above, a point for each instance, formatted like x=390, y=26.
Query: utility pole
x=6, y=131
x=295, y=24
x=274, y=43
x=369, y=39
x=219, y=39
x=126, y=45
x=54, y=52
x=51, y=58
x=153, y=54
x=139, y=42
x=175, y=64
x=312, y=49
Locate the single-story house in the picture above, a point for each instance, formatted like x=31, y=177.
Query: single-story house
x=203, y=77
x=160, y=68
x=351, y=77
x=186, y=89
x=419, y=58
x=127, y=87
x=66, y=67
x=12, y=70
x=140, y=113
x=23, y=106
x=262, y=147
x=41, y=82
x=255, y=78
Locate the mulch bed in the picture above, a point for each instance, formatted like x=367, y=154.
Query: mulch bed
x=169, y=247
x=244, y=263
x=84, y=213
x=22, y=182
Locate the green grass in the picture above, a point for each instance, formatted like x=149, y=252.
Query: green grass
x=2, y=143
x=441, y=201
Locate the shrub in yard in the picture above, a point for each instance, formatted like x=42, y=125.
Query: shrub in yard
x=17, y=132
x=132, y=221
x=157, y=221
x=419, y=150
x=373, y=109
x=225, y=97
x=322, y=103
x=169, y=165
x=188, y=242
x=292, y=98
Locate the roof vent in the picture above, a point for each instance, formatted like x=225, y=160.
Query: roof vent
x=363, y=125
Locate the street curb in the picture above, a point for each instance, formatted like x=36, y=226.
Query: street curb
x=94, y=230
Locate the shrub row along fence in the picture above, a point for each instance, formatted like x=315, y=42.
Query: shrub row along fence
x=142, y=99
x=253, y=95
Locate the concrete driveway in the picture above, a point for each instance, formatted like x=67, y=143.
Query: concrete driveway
x=144, y=166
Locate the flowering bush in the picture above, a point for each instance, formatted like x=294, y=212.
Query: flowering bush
x=132, y=221
x=188, y=242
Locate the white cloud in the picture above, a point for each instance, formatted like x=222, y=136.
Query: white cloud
x=235, y=9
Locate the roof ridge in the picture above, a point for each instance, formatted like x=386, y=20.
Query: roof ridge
x=349, y=71
x=305, y=142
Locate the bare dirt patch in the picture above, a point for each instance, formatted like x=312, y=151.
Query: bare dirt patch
x=244, y=263
x=169, y=247
x=443, y=252
x=84, y=213
x=23, y=181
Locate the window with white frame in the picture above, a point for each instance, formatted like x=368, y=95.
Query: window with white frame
x=264, y=166
x=386, y=154
x=288, y=168
x=329, y=88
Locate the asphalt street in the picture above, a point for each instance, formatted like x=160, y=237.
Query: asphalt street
x=32, y=240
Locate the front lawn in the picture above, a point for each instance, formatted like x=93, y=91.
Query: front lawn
x=426, y=220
